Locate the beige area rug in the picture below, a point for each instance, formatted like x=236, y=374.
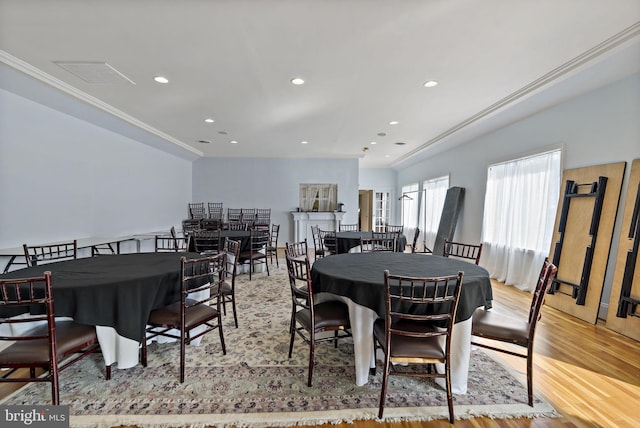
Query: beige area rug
x=255, y=384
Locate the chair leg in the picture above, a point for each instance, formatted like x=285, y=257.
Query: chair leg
x=383, y=391
x=530, y=376
x=143, y=353
x=449, y=393
x=293, y=335
x=107, y=372
x=224, y=346
x=235, y=314
x=182, y=357
x=311, y=355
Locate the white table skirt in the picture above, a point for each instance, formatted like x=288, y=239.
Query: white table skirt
x=362, y=319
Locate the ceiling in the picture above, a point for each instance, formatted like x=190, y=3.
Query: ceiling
x=364, y=63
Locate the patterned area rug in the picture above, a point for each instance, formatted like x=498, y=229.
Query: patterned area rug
x=255, y=384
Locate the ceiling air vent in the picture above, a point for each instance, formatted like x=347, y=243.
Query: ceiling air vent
x=95, y=72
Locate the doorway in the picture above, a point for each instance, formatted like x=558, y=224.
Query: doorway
x=365, y=209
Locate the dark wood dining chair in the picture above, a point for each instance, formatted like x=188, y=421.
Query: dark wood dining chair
x=234, y=226
x=407, y=336
x=310, y=319
x=215, y=211
x=206, y=242
x=329, y=241
x=318, y=248
x=377, y=244
x=272, y=248
x=49, y=344
x=210, y=224
x=493, y=327
x=297, y=249
x=263, y=216
x=393, y=228
x=196, y=211
x=41, y=254
x=189, y=226
x=248, y=216
x=171, y=243
x=462, y=251
x=234, y=215
x=257, y=252
x=228, y=294
x=199, y=306
x=382, y=241
x=349, y=227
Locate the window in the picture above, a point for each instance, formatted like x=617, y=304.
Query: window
x=519, y=214
x=318, y=197
x=409, y=205
x=434, y=192
x=381, y=211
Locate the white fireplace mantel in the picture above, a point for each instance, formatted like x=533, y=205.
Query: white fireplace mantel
x=325, y=220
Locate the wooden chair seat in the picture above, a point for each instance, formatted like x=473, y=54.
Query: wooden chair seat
x=428, y=349
x=69, y=336
x=328, y=315
x=169, y=316
x=493, y=325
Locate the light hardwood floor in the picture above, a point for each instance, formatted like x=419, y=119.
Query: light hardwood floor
x=589, y=373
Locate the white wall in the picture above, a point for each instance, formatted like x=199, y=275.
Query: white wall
x=600, y=127
x=63, y=178
x=382, y=180
x=273, y=183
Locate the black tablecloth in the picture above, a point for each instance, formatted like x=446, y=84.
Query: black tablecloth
x=350, y=239
x=360, y=277
x=116, y=291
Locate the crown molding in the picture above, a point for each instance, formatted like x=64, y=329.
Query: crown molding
x=600, y=50
x=40, y=75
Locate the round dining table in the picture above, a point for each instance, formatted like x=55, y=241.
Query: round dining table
x=115, y=293
x=358, y=280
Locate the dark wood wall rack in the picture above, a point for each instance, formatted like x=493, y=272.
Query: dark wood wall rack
x=628, y=305
x=596, y=191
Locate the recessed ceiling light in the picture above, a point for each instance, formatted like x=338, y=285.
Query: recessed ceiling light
x=233, y=142
x=430, y=83
x=222, y=132
x=387, y=156
x=373, y=142
x=382, y=134
x=394, y=122
x=304, y=142
x=297, y=81
x=209, y=120
x=161, y=79
x=399, y=143
x=204, y=141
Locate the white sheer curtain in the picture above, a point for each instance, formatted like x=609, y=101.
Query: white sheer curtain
x=409, y=202
x=330, y=203
x=434, y=192
x=519, y=215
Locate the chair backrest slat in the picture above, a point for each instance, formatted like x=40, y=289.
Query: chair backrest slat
x=39, y=254
x=462, y=250
x=425, y=300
